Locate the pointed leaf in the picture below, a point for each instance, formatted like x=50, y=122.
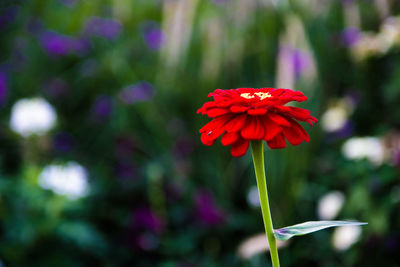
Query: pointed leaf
x=286, y=233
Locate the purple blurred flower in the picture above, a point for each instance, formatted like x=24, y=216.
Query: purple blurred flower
x=344, y=132
x=3, y=87
x=56, y=44
x=350, y=36
x=102, y=108
x=301, y=61
x=298, y=59
x=107, y=28
x=153, y=35
x=63, y=142
x=146, y=219
x=8, y=15
x=139, y=92
x=144, y=229
x=206, y=210
x=56, y=88
x=80, y=46
x=396, y=158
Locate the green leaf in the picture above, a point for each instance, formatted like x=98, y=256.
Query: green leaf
x=286, y=233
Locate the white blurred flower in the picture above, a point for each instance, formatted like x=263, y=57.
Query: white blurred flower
x=32, y=116
x=253, y=197
x=257, y=244
x=69, y=180
x=370, y=44
x=344, y=237
x=375, y=44
x=334, y=119
x=390, y=31
x=371, y=148
x=330, y=204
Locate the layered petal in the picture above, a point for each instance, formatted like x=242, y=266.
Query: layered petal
x=217, y=122
x=277, y=142
x=245, y=114
x=215, y=112
x=236, y=124
x=296, y=113
x=229, y=138
x=205, y=140
x=278, y=119
x=239, y=148
x=213, y=130
x=238, y=109
x=257, y=111
x=271, y=129
x=300, y=130
x=253, y=129
x=293, y=135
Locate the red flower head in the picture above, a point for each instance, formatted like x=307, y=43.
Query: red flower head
x=245, y=114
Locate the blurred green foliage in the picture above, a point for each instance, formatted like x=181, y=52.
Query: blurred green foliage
x=125, y=79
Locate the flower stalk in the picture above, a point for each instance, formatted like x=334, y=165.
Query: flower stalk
x=257, y=151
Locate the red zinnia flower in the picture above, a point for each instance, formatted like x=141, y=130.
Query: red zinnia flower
x=245, y=114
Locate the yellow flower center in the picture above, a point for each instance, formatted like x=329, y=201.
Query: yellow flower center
x=261, y=95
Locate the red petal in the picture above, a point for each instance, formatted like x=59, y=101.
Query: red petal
x=228, y=102
x=295, y=112
x=271, y=129
x=312, y=120
x=214, y=129
x=253, y=129
x=217, y=122
x=256, y=112
x=293, y=135
x=229, y=138
x=206, y=140
x=238, y=109
x=236, y=123
x=206, y=106
x=300, y=130
x=214, y=134
x=300, y=113
x=277, y=142
x=278, y=119
x=215, y=112
x=239, y=148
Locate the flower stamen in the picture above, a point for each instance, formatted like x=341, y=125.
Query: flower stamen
x=261, y=95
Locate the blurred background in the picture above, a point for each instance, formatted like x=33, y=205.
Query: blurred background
x=101, y=162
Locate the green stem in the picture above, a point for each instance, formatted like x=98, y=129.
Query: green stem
x=258, y=160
